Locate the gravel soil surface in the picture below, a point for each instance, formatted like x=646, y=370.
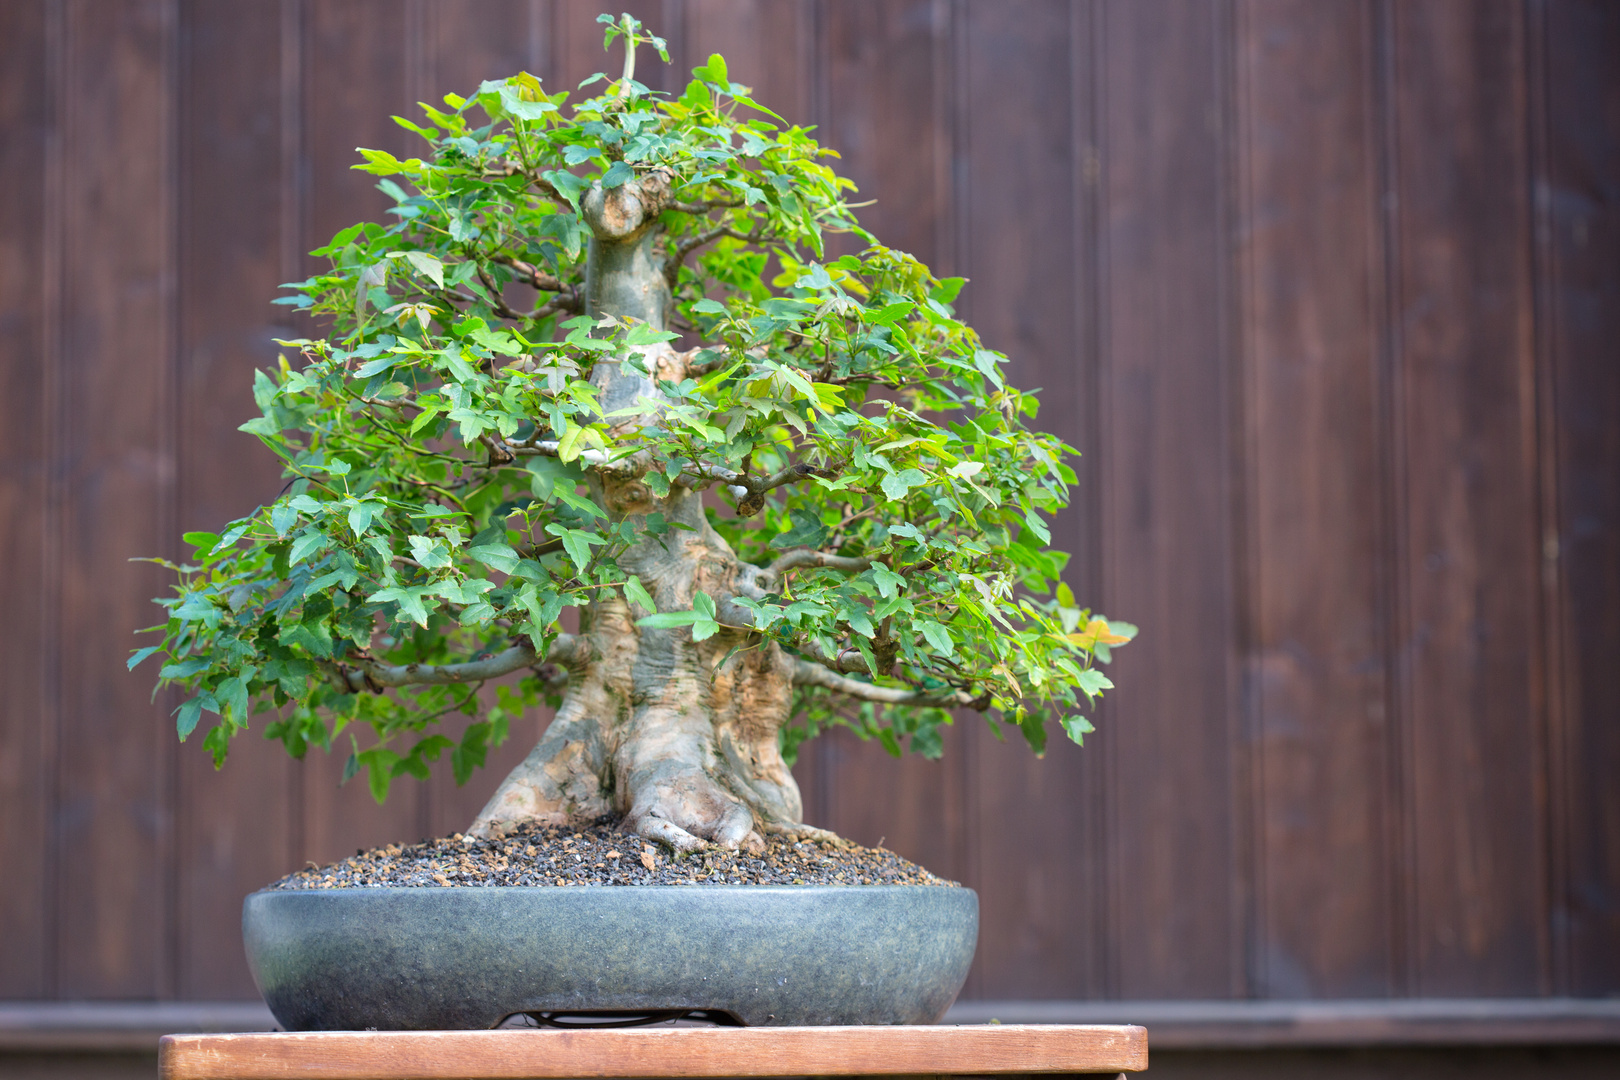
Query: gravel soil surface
x=602, y=855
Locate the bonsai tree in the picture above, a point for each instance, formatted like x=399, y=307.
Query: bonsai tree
x=600, y=362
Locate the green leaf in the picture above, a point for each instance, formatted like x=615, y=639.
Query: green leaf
x=233, y=697
x=430, y=551
x=617, y=175
x=816, y=278
x=1093, y=682
x=937, y=636
x=889, y=583
x=138, y=655
x=1032, y=724
x=566, y=184
x=379, y=763
x=360, y=516
x=377, y=366
x=426, y=417
x=409, y=599
x=665, y=620
x=806, y=531
x=889, y=314
x=282, y=518
x=577, y=542
x=987, y=361
x=524, y=110
x=187, y=716
x=309, y=540
x=1077, y=728
x=896, y=485
x=635, y=592
x=715, y=71
x=567, y=494
x=496, y=555
x=569, y=447
x=186, y=668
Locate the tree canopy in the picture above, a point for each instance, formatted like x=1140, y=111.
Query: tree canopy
x=440, y=436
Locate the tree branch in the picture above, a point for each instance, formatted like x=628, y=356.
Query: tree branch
x=369, y=674
x=751, y=490
x=849, y=564
x=705, y=207
x=672, y=268
x=566, y=300
x=806, y=673
x=535, y=277
x=628, y=464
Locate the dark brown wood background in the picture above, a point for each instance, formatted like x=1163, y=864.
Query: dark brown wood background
x=1328, y=291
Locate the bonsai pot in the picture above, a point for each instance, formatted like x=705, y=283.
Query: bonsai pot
x=470, y=957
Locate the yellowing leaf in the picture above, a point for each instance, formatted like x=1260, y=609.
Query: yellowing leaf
x=1096, y=631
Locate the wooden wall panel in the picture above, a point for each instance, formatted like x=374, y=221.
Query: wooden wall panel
x=898, y=53
x=1579, y=199
x=1315, y=675
x=234, y=828
x=1466, y=393
x=1168, y=535
x=115, y=807
x=25, y=747
x=576, y=51
x=770, y=47
x=1019, y=255
x=1326, y=291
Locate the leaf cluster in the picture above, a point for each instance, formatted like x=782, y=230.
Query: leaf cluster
x=438, y=439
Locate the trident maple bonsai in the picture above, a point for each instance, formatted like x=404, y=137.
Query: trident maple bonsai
x=825, y=511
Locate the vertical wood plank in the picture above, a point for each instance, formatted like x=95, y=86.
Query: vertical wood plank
x=577, y=46
x=117, y=379
x=24, y=467
x=768, y=46
x=1316, y=677
x=886, y=88
x=1017, y=168
x=233, y=827
x=1470, y=645
x=1168, y=550
x=1579, y=201
x=357, y=72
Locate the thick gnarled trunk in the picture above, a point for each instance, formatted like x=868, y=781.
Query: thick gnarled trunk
x=679, y=736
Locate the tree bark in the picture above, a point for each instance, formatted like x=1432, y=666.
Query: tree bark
x=679, y=736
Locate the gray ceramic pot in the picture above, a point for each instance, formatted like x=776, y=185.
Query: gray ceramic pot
x=436, y=958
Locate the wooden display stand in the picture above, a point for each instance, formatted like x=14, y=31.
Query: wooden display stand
x=979, y=1050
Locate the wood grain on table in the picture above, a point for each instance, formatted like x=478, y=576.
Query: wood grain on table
x=645, y=1052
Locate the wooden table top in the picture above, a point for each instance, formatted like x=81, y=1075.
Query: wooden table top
x=529, y=1054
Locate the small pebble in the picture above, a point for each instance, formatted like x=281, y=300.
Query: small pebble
x=550, y=856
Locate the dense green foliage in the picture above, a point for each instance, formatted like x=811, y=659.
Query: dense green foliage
x=437, y=441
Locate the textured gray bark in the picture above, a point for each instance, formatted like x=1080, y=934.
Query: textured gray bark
x=654, y=725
